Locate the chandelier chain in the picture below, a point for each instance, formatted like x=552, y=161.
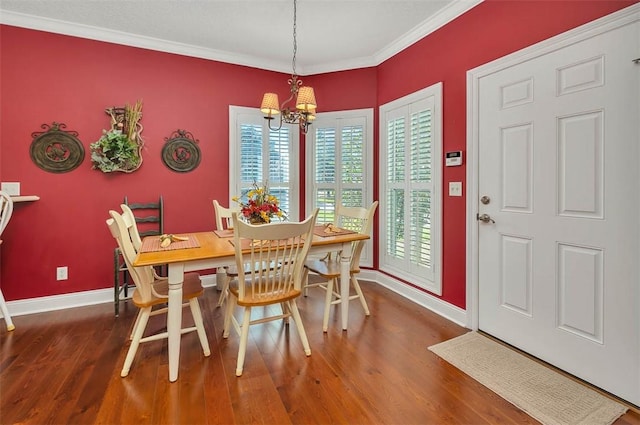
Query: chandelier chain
x=295, y=42
x=303, y=109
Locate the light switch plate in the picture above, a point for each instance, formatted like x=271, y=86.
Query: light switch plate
x=11, y=188
x=455, y=188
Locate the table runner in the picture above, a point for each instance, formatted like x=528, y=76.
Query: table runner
x=224, y=233
x=249, y=243
x=324, y=231
x=152, y=244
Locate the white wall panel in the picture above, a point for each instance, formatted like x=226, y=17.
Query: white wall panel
x=580, y=291
x=516, y=94
x=517, y=166
x=580, y=165
x=583, y=75
x=516, y=274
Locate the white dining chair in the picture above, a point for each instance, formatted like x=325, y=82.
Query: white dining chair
x=224, y=274
x=358, y=219
x=279, y=250
x=151, y=292
x=6, y=209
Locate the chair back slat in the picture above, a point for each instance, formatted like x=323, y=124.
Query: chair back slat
x=149, y=216
x=223, y=215
x=6, y=209
x=131, y=226
x=360, y=220
x=142, y=276
x=270, y=257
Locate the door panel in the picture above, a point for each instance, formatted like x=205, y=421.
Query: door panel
x=558, y=157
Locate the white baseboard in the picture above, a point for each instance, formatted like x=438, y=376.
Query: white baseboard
x=424, y=299
x=76, y=299
x=100, y=296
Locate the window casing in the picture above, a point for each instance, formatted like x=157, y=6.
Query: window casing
x=257, y=154
x=410, y=188
x=340, y=165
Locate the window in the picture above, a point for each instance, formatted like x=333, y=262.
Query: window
x=410, y=186
x=257, y=154
x=339, y=165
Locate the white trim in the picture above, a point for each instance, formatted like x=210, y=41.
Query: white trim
x=75, y=299
x=589, y=30
x=239, y=115
x=423, y=299
x=445, y=15
x=102, y=296
x=450, y=12
x=339, y=118
x=233, y=153
x=430, y=280
x=57, y=26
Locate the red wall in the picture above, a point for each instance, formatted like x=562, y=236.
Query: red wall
x=46, y=77
x=489, y=31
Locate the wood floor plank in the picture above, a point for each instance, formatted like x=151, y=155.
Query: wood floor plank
x=64, y=367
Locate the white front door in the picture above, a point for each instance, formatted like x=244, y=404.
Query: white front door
x=558, y=252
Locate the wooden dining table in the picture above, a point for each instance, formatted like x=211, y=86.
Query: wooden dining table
x=214, y=251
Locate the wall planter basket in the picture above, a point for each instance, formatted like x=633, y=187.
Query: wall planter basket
x=120, y=148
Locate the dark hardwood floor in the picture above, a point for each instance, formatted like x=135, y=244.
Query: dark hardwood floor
x=64, y=368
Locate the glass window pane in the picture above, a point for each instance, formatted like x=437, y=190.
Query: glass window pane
x=395, y=221
x=326, y=202
x=421, y=146
x=283, y=195
x=352, y=198
x=325, y=155
x=250, y=153
x=279, y=156
x=395, y=154
x=352, y=160
x=420, y=219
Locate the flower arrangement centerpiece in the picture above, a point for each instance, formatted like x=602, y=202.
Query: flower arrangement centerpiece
x=261, y=207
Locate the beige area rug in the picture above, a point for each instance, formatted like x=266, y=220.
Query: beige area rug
x=544, y=394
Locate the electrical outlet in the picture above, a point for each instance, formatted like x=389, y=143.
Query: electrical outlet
x=455, y=188
x=62, y=273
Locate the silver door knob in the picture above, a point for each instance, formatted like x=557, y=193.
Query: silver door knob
x=485, y=218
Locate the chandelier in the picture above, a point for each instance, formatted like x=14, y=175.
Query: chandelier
x=304, y=110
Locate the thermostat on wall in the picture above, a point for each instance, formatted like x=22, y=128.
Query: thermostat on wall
x=453, y=158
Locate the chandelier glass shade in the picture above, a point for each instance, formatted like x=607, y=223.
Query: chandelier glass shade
x=303, y=109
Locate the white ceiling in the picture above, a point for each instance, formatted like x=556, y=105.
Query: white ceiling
x=332, y=35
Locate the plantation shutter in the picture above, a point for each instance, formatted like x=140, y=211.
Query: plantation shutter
x=260, y=155
x=340, y=168
x=409, y=183
x=279, y=165
x=325, y=174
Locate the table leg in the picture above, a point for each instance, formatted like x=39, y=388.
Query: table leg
x=345, y=265
x=174, y=317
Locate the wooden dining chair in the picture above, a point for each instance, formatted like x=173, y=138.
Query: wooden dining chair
x=328, y=268
x=223, y=215
x=149, y=221
x=6, y=209
x=224, y=275
x=131, y=224
x=274, y=256
x=151, y=294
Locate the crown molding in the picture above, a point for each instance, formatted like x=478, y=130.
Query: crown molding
x=447, y=14
x=127, y=39
x=443, y=17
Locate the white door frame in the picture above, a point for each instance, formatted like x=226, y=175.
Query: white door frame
x=591, y=29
